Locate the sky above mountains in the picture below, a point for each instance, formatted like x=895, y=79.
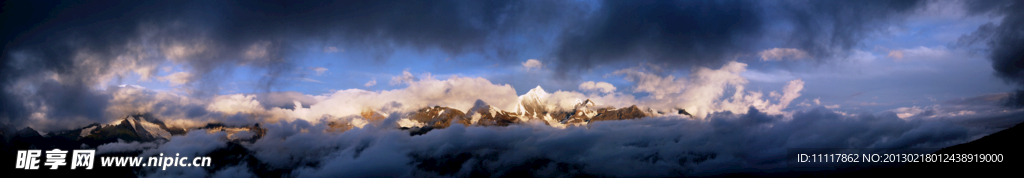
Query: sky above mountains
x=759, y=77
x=84, y=62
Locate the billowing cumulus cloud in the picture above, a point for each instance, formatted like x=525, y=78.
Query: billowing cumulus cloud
x=701, y=93
x=406, y=77
x=236, y=103
x=657, y=86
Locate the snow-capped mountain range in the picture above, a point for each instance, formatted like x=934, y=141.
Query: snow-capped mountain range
x=531, y=107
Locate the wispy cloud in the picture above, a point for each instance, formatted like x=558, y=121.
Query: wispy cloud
x=371, y=83
x=532, y=64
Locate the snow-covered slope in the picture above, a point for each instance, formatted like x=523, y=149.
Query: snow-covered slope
x=533, y=103
x=153, y=129
x=134, y=127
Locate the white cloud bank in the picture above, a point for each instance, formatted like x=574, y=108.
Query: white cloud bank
x=702, y=93
x=754, y=143
x=406, y=77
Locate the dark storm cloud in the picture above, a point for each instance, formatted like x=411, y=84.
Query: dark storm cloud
x=825, y=28
x=1015, y=99
x=88, y=43
x=678, y=32
x=684, y=34
x=1005, y=40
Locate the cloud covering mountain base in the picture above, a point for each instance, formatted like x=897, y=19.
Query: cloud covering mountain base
x=724, y=144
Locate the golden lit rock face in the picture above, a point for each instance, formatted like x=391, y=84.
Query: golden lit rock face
x=569, y=117
x=631, y=112
x=498, y=118
x=440, y=117
x=372, y=117
x=254, y=131
x=335, y=126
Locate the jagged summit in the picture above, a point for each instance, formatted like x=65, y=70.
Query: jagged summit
x=683, y=112
x=132, y=128
x=533, y=103
x=28, y=132
x=583, y=103
x=538, y=91
x=631, y=112
x=437, y=117
x=531, y=106
x=486, y=115
x=242, y=133
x=138, y=127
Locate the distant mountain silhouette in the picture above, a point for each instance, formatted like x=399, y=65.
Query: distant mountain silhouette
x=1009, y=143
x=1006, y=142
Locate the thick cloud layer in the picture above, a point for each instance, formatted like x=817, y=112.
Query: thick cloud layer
x=726, y=143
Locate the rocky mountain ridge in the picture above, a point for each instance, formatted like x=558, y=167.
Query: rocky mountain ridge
x=531, y=107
